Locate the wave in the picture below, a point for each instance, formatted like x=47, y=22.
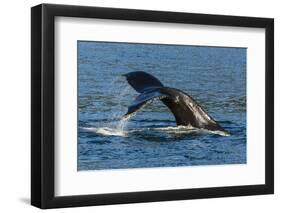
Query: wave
x=106, y=131
x=171, y=129
x=190, y=129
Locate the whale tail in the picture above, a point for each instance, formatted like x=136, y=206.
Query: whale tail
x=185, y=109
x=142, y=81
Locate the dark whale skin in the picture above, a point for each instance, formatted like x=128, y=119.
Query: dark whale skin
x=186, y=110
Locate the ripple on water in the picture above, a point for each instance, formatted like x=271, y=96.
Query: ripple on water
x=214, y=76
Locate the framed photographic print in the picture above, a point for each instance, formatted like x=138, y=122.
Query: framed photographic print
x=139, y=106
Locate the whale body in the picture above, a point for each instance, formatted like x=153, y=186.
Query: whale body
x=186, y=110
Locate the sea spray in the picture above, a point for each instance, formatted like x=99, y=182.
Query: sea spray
x=122, y=124
x=117, y=125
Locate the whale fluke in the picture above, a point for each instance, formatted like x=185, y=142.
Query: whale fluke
x=142, y=81
x=186, y=110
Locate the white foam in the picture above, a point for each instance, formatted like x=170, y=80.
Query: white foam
x=171, y=129
x=106, y=131
x=190, y=129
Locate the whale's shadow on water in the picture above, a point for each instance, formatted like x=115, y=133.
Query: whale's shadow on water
x=144, y=141
x=161, y=136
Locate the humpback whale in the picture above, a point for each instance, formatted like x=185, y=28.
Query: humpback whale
x=186, y=110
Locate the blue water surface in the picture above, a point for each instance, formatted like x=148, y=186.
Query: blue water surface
x=214, y=76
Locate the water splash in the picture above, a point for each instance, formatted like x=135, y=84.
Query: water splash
x=168, y=130
x=106, y=131
x=117, y=125
x=122, y=124
x=191, y=129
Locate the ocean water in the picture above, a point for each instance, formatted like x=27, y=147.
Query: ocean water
x=214, y=76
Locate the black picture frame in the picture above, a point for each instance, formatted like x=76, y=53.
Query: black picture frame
x=43, y=102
